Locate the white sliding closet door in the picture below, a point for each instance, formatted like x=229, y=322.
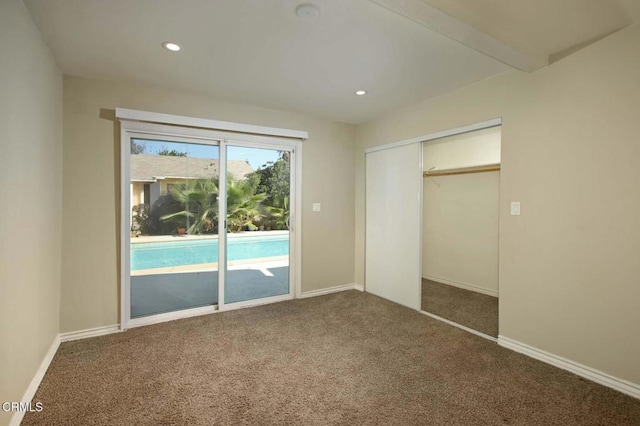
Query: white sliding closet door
x=393, y=226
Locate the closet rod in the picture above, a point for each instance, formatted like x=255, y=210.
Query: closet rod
x=462, y=171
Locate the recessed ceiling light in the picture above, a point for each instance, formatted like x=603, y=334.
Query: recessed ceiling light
x=361, y=92
x=174, y=47
x=308, y=11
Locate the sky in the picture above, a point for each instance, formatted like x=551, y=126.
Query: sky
x=255, y=156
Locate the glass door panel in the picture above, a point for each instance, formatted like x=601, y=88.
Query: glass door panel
x=258, y=212
x=174, y=226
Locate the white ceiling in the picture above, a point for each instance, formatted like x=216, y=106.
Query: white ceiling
x=258, y=52
x=545, y=26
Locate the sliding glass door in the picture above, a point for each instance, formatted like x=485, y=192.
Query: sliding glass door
x=208, y=222
x=174, y=225
x=258, y=211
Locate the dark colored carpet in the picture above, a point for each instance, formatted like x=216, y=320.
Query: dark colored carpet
x=346, y=358
x=474, y=310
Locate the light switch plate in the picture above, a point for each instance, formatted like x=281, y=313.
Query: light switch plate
x=515, y=208
x=316, y=207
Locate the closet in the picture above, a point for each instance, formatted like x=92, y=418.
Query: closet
x=431, y=231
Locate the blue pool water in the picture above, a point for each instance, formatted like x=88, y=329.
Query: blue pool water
x=193, y=252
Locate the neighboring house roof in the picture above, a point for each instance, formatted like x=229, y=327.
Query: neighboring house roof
x=150, y=168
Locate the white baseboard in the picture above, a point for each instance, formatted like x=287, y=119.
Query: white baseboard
x=46, y=361
x=322, y=291
x=91, y=332
x=35, y=382
x=624, y=386
x=461, y=285
x=358, y=287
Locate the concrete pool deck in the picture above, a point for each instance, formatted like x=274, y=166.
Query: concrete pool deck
x=154, y=294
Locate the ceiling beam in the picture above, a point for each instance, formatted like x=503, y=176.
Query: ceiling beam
x=459, y=27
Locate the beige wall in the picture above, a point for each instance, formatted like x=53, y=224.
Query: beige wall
x=460, y=230
x=569, y=270
x=89, y=244
x=31, y=194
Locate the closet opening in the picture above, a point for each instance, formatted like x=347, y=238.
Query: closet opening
x=460, y=221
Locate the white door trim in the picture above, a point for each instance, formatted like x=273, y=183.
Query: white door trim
x=133, y=115
x=438, y=135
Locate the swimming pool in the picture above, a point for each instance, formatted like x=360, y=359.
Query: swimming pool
x=193, y=252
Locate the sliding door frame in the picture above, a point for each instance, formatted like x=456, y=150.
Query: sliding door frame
x=146, y=125
x=295, y=242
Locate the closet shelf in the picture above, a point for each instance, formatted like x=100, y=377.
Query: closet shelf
x=462, y=171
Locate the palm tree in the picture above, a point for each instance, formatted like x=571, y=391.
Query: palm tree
x=278, y=212
x=243, y=204
x=200, y=200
